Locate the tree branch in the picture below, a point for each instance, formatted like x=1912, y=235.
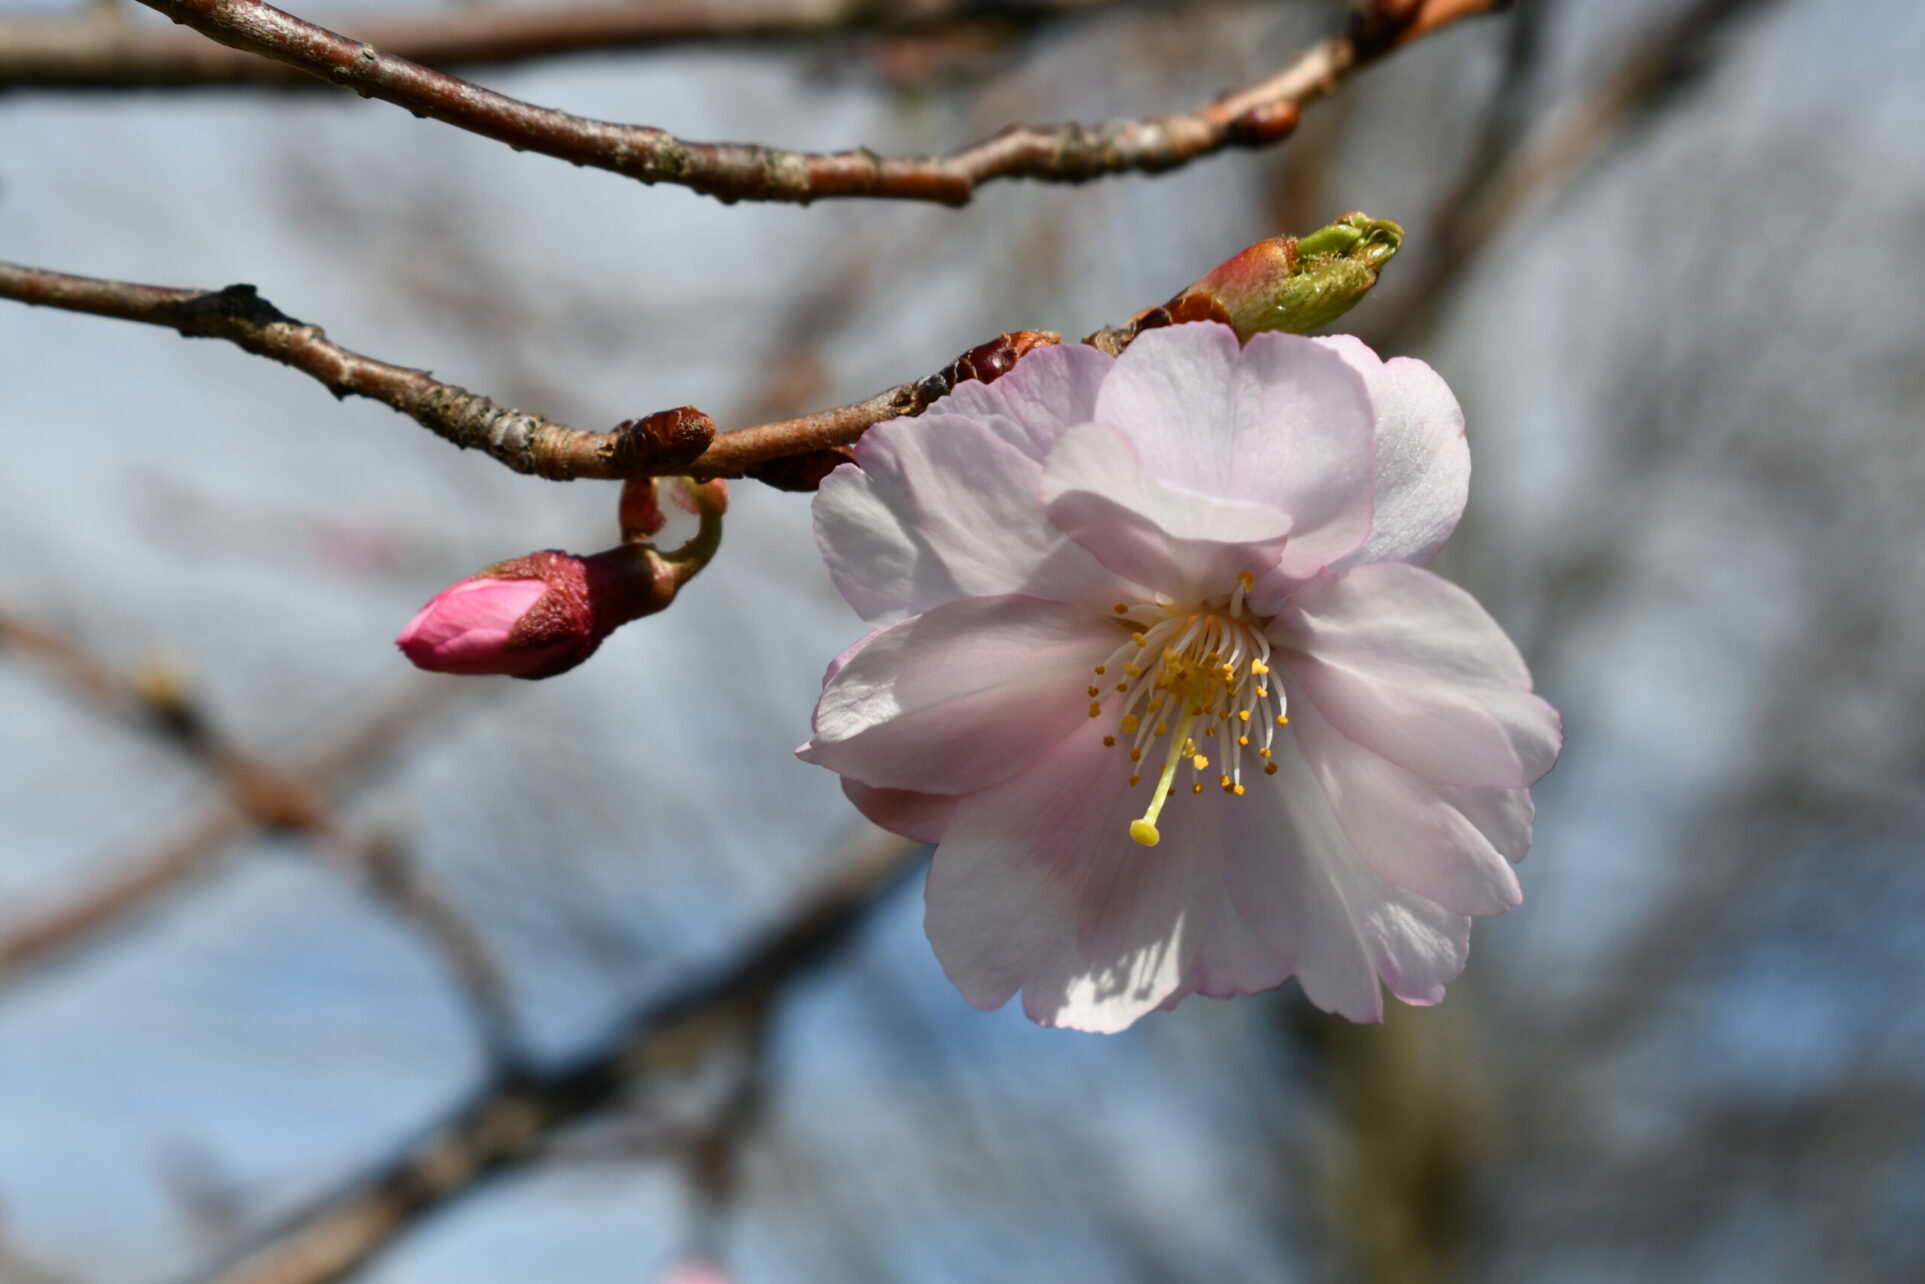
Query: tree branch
x=524, y=442
x=1256, y=116
x=103, y=51
x=127, y=890
x=788, y=453
x=507, y=1122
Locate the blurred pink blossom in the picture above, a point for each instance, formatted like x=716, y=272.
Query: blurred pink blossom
x=1155, y=662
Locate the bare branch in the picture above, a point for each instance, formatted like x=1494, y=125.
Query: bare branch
x=524, y=442
x=100, y=50
x=1256, y=116
x=133, y=887
x=507, y=1122
x=789, y=453
x=1510, y=175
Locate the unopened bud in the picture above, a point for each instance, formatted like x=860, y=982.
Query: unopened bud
x=539, y=615
x=1295, y=284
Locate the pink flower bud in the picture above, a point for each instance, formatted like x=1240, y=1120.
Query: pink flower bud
x=530, y=617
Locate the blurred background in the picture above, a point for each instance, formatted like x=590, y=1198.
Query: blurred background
x=312, y=967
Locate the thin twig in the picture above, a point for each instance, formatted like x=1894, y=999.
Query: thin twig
x=524, y=442
x=1509, y=175
x=674, y=441
x=507, y=1122
x=1256, y=116
x=101, y=50
x=264, y=797
x=292, y=799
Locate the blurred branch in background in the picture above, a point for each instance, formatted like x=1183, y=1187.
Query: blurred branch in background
x=1514, y=168
x=1256, y=116
x=102, y=50
x=511, y=1119
x=259, y=797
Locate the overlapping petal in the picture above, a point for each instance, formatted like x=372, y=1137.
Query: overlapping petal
x=1340, y=926
x=923, y=817
x=1037, y=887
x=944, y=506
x=1411, y=667
x=1281, y=421
x=961, y=696
x=1182, y=544
x=1423, y=461
x=1407, y=831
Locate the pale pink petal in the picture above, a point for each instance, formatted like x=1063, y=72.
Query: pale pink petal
x=923, y=817
x=1186, y=545
x=1412, y=668
x=1280, y=421
x=961, y=696
x=943, y=508
x=1294, y=872
x=1504, y=816
x=1038, y=887
x=1407, y=831
x=1423, y=461
x=1049, y=390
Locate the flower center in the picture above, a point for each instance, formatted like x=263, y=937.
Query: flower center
x=1198, y=676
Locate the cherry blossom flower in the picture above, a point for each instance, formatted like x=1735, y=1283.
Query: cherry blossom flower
x=1155, y=662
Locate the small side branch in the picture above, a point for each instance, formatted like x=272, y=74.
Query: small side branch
x=1256, y=116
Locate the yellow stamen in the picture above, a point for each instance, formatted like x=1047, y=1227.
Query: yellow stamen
x=1096, y=691
x=1269, y=768
x=1122, y=608
x=1129, y=724
x=1101, y=670
x=1095, y=709
x=1144, y=830
x=1109, y=742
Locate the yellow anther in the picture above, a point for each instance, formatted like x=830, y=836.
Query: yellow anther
x=1282, y=721
x=1136, y=780
x=1237, y=790
x=1224, y=781
x=1257, y=667
x=1189, y=747
x=1209, y=731
x=1129, y=724
x=1263, y=693
x=1243, y=740
x=1122, y=687
x=1243, y=715
x=1139, y=639
x=1096, y=690
x=1101, y=670
x=1095, y=709
x=1143, y=831
x=1160, y=729
x=1246, y=579
x=1122, y=608
x=1199, y=762
x=1109, y=742
x=1196, y=789
x=1134, y=670
x=1263, y=753
x=1136, y=755
x=1269, y=768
